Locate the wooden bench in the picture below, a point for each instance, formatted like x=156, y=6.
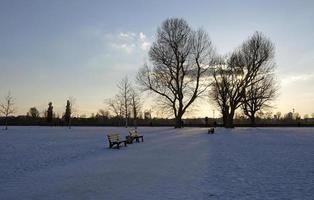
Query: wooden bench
x=114, y=139
x=135, y=136
x=211, y=131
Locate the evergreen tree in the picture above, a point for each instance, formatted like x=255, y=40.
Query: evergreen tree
x=67, y=114
x=49, y=112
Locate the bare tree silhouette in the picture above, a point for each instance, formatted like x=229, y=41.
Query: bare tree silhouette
x=125, y=90
x=103, y=114
x=259, y=95
x=121, y=104
x=115, y=105
x=136, y=105
x=6, y=108
x=180, y=58
x=235, y=75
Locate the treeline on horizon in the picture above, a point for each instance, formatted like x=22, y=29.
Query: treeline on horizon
x=99, y=120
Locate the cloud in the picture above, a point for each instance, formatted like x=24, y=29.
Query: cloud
x=122, y=50
x=126, y=47
x=296, y=78
x=142, y=36
x=145, y=44
x=128, y=42
x=127, y=35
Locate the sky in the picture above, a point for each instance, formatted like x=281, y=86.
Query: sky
x=53, y=50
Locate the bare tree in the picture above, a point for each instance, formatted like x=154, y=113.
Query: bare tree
x=179, y=72
x=234, y=75
x=121, y=104
x=103, y=114
x=125, y=88
x=136, y=105
x=6, y=108
x=259, y=95
x=115, y=105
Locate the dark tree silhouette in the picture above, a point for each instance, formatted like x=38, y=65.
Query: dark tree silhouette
x=49, y=112
x=6, y=108
x=234, y=75
x=136, y=105
x=33, y=112
x=115, y=106
x=179, y=72
x=103, y=114
x=125, y=88
x=259, y=95
x=67, y=114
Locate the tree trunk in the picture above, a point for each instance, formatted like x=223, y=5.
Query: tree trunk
x=126, y=121
x=229, y=119
x=252, y=118
x=69, y=124
x=134, y=116
x=225, y=116
x=178, y=123
x=6, y=123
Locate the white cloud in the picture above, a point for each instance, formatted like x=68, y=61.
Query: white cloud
x=296, y=78
x=126, y=47
x=145, y=44
x=127, y=35
x=142, y=36
x=129, y=42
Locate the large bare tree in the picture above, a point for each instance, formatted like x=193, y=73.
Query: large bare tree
x=179, y=71
x=259, y=95
x=234, y=75
x=7, y=108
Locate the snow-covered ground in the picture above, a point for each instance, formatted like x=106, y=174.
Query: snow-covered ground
x=243, y=163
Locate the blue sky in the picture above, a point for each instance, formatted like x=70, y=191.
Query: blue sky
x=51, y=50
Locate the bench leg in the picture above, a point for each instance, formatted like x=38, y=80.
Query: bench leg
x=118, y=145
x=125, y=143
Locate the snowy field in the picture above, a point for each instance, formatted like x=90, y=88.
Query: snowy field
x=243, y=163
